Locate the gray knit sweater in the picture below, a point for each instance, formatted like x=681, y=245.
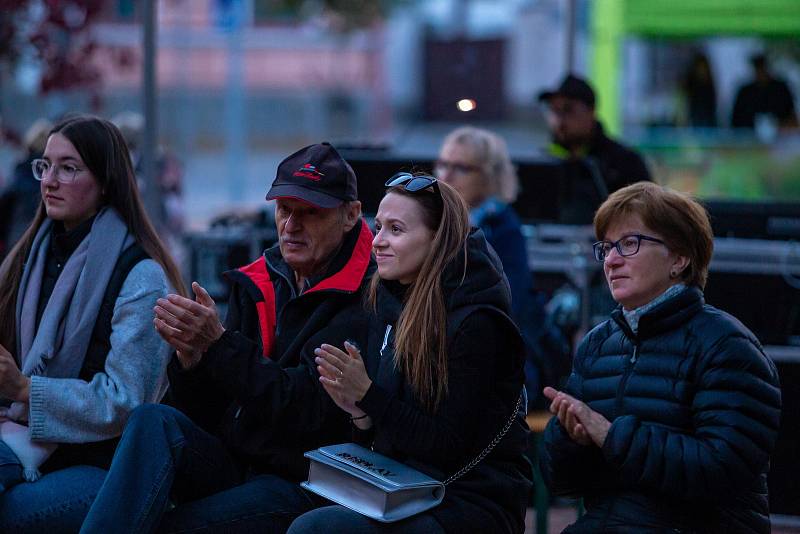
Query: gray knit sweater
x=67, y=410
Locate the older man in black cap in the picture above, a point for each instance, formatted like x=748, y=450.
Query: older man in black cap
x=595, y=165
x=248, y=390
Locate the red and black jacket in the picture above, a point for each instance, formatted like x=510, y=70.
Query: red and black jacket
x=257, y=386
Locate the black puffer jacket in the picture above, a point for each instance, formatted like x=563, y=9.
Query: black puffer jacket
x=485, y=377
x=695, y=408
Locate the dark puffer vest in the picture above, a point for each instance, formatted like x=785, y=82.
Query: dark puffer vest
x=695, y=409
x=485, y=377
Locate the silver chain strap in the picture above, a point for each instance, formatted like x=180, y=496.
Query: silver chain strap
x=475, y=461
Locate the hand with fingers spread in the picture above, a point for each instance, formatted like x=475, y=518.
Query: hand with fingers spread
x=584, y=425
x=13, y=384
x=190, y=326
x=345, y=378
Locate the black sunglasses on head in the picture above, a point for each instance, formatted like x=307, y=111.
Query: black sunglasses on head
x=412, y=183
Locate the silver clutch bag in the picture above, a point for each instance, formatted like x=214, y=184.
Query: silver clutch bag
x=379, y=487
x=370, y=483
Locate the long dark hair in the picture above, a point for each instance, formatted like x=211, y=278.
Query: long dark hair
x=102, y=148
x=421, y=335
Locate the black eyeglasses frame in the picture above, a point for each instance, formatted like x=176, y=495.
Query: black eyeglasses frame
x=600, y=256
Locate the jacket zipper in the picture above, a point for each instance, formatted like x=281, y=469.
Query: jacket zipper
x=292, y=296
x=385, y=338
x=624, y=381
x=635, y=355
x=289, y=282
x=386, y=335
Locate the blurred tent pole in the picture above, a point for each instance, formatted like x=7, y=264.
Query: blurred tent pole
x=231, y=22
x=607, y=28
x=570, y=36
x=150, y=188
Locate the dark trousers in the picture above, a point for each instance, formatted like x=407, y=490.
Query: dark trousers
x=341, y=519
x=161, y=454
x=10, y=468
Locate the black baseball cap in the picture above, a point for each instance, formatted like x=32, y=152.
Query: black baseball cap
x=316, y=174
x=759, y=60
x=572, y=87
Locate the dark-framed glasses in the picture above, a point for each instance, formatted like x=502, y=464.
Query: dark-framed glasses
x=627, y=245
x=443, y=166
x=413, y=183
x=65, y=172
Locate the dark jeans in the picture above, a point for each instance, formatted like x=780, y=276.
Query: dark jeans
x=162, y=454
x=265, y=504
x=10, y=468
x=160, y=450
x=341, y=519
x=54, y=504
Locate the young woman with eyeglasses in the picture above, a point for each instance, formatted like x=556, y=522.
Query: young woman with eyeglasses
x=672, y=409
x=442, y=367
x=78, y=350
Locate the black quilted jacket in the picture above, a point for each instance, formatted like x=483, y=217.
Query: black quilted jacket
x=695, y=409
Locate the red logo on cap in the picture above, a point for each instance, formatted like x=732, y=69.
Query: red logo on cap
x=310, y=172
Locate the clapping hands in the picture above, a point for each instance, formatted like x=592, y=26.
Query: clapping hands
x=584, y=425
x=190, y=326
x=344, y=377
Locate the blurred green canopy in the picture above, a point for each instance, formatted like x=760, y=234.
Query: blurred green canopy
x=692, y=18
x=614, y=20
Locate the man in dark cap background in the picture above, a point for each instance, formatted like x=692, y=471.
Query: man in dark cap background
x=765, y=95
x=248, y=391
x=594, y=164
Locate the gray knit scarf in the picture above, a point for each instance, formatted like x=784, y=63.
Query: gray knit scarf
x=58, y=347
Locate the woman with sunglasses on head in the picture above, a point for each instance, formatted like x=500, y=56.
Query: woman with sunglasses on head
x=672, y=409
x=442, y=367
x=78, y=350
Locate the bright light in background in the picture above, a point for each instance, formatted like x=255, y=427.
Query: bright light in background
x=466, y=104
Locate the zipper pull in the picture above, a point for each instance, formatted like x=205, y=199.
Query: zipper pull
x=635, y=354
x=385, y=339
